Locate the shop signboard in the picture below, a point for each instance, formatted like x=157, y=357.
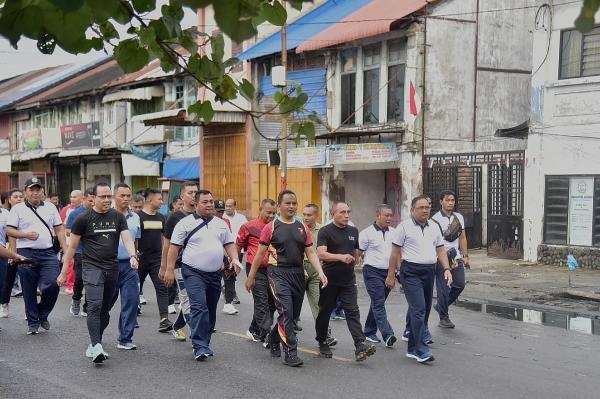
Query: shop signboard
x=82, y=135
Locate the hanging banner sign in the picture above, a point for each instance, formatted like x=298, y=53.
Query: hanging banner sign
x=362, y=153
x=83, y=135
x=306, y=157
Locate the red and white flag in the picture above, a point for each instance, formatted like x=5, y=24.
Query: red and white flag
x=414, y=105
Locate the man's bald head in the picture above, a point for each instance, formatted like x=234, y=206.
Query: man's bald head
x=76, y=197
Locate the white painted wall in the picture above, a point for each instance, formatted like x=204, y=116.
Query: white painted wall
x=565, y=123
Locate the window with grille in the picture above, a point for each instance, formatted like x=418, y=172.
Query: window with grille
x=371, y=62
x=396, y=69
x=579, y=53
x=348, y=89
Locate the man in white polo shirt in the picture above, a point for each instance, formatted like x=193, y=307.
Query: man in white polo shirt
x=455, y=242
x=375, y=245
x=31, y=227
x=203, y=238
x=419, y=244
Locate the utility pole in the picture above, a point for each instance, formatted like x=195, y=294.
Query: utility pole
x=283, y=135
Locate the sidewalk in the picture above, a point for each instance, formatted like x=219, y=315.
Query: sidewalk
x=539, y=286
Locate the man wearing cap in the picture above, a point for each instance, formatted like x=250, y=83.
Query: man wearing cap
x=31, y=227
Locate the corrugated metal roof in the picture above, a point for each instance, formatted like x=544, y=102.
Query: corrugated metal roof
x=85, y=82
x=41, y=80
x=304, y=28
x=373, y=19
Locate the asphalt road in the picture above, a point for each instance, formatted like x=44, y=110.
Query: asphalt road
x=484, y=357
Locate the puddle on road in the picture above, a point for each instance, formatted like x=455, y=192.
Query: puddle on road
x=568, y=321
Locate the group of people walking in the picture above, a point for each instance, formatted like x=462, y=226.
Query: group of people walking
x=200, y=248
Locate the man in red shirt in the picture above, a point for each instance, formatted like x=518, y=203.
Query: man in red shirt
x=76, y=199
x=248, y=239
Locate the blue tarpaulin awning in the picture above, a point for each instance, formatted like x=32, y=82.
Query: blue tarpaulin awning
x=185, y=168
x=304, y=28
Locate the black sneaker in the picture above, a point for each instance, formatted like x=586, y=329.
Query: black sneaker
x=297, y=327
x=293, y=361
x=165, y=325
x=275, y=350
x=446, y=323
x=331, y=341
x=236, y=300
x=363, y=351
x=45, y=325
x=324, y=350
x=390, y=341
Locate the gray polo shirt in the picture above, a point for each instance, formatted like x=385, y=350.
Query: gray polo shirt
x=22, y=218
x=418, y=242
x=204, y=250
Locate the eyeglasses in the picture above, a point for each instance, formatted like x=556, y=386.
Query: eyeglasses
x=423, y=208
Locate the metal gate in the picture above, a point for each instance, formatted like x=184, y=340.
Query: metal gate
x=465, y=181
x=505, y=211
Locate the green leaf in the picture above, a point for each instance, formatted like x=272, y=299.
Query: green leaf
x=172, y=26
x=103, y=10
x=123, y=13
x=202, y=111
x=97, y=43
x=297, y=4
x=234, y=18
x=147, y=34
x=585, y=22
x=217, y=47
x=275, y=13
x=188, y=42
x=246, y=90
x=160, y=31
x=304, y=129
x=227, y=90
x=67, y=5
x=130, y=56
x=144, y=5
x=108, y=30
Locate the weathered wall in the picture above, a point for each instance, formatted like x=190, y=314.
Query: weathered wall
x=364, y=190
x=449, y=76
x=503, y=63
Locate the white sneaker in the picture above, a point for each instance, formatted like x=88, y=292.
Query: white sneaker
x=4, y=310
x=229, y=309
x=172, y=309
x=89, y=352
x=143, y=300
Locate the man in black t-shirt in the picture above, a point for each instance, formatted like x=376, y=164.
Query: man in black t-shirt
x=152, y=224
x=337, y=246
x=188, y=196
x=99, y=229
